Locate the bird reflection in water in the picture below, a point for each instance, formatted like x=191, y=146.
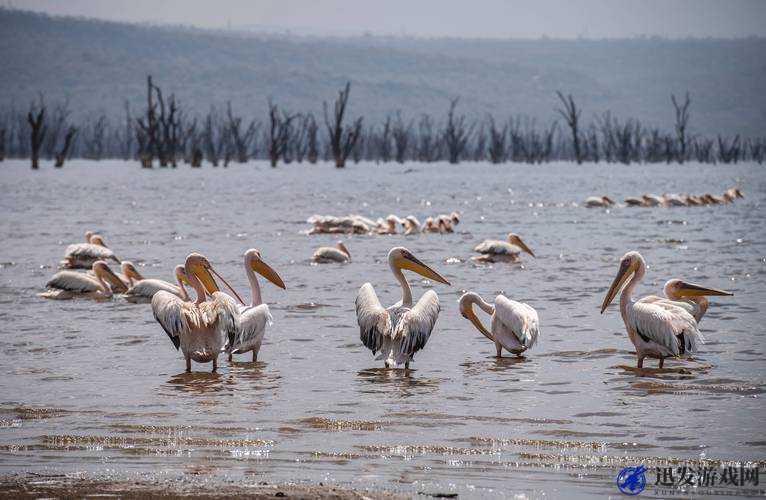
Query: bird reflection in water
x=405, y=383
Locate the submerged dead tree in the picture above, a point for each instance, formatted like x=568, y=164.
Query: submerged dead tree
x=280, y=131
x=682, y=122
x=572, y=117
x=63, y=154
x=37, y=127
x=401, y=134
x=240, y=139
x=498, y=149
x=456, y=133
x=147, y=132
x=342, y=138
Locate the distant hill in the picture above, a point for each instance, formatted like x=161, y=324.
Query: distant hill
x=98, y=65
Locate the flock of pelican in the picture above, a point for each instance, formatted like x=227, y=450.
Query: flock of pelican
x=668, y=200
x=213, y=322
x=359, y=224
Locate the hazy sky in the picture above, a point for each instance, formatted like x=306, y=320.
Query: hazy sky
x=462, y=18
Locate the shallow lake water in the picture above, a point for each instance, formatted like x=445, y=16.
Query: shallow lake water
x=97, y=389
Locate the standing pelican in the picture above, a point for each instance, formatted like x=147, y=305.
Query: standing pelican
x=254, y=318
x=598, y=202
x=338, y=253
x=694, y=295
x=142, y=290
x=403, y=329
x=658, y=328
x=83, y=255
x=66, y=285
x=200, y=329
x=515, y=325
x=501, y=251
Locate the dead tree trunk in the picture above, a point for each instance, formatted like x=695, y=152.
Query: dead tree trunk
x=279, y=133
x=2, y=143
x=682, y=121
x=147, y=130
x=456, y=134
x=401, y=135
x=498, y=149
x=36, y=120
x=572, y=117
x=312, y=135
x=342, y=139
x=62, y=155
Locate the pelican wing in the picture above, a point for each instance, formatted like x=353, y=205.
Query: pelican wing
x=415, y=325
x=374, y=321
x=85, y=251
x=665, y=323
x=252, y=327
x=519, y=319
x=72, y=281
x=169, y=312
x=222, y=312
x=496, y=247
x=146, y=289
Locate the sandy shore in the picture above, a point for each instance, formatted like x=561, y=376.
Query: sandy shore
x=59, y=486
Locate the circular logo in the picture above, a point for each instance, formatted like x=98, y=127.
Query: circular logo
x=632, y=480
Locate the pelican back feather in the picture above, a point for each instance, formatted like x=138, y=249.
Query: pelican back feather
x=374, y=321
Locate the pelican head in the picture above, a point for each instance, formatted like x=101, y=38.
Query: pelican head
x=253, y=261
x=96, y=239
x=515, y=239
x=455, y=218
x=102, y=270
x=401, y=258
x=198, y=265
x=88, y=236
x=130, y=271
x=181, y=275
x=678, y=289
x=340, y=246
x=630, y=264
x=466, y=302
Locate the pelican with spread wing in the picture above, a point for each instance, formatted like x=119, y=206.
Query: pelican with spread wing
x=398, y=332
x=515, y=325
x=254, y=318
x=201, y=329
x=657, y=326
x=501, y=251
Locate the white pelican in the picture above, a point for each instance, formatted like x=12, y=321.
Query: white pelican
x=598, y=202
x=445, y=225
x=735, y=193
x=658, y=327
x=692, y=200
x=651, y=200
x=501, y=251
x=515, y=325
x=388, y=225
x=254, y=318
x=83, y=255
x=634, y=202
x=338, y=253
x=672, y=200
x=70, y=284
x=682, y=291
x=411, y=225
x=403, y=329
x=430, y=226
x=142, y=290
x=451, y=219
x=200, y=329
x=712, y=200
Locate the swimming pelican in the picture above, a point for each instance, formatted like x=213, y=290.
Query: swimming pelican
x=658, y=328
x=501, y=251
x=66, y=285
x=651, y=200
x=429, y=226
x=634, y=202
x=142, y=290
x=254, y=318
x=338, y=253
x=682, y=291
x=692, y=200
x=403, y=329
x=83, y=255
x=598, y=202
x=735, y=193
x=515, y=325
x=452, y=219
x=388, y=225
x=200, y=329
x=411, y=225
x=672, y=200
x=445, y=225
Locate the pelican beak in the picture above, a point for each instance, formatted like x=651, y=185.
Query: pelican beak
x=470, y=315
x=693, y=290
x=115, y=283
x=412, y=263
x=205, y=275
x=267, y=272
x=626, y=270
x=520, y=243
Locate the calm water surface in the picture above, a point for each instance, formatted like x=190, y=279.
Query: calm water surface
x=97, y=389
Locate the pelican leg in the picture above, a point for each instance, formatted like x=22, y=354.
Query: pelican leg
x=188, y=364
x=499, y=350
x=215, y=364
x=406, y=365
x=230, y=357
x=255, y=355
x=662, y=362
x=640, y=362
